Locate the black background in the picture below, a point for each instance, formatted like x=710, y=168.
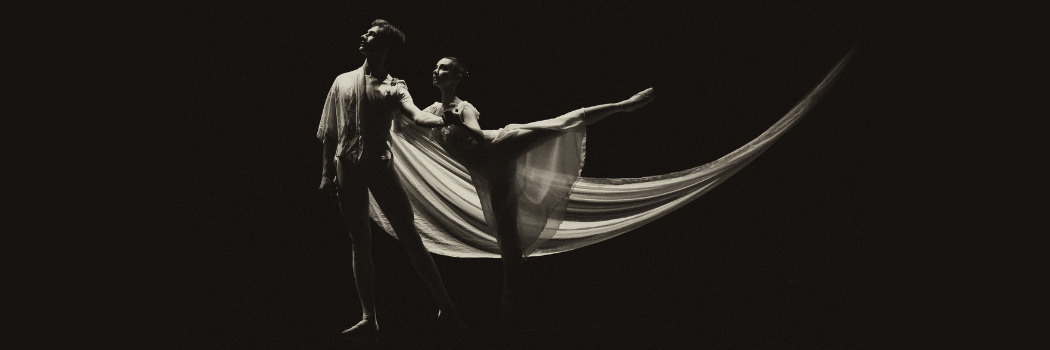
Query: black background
x=776, y=257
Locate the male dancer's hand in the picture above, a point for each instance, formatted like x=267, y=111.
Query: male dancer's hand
x=471, y=135
x=451, y=118
x=328, y=186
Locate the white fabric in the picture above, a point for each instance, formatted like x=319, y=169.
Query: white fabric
x=543, y=175
x=451, y=221
x=343, y=121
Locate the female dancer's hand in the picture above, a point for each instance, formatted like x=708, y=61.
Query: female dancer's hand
x=328, y=186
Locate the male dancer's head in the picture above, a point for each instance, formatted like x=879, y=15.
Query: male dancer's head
x=380, y=39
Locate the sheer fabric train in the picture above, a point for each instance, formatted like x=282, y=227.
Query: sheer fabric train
x=452, y=221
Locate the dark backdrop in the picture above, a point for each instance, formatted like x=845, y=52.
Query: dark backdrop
x=778, y=256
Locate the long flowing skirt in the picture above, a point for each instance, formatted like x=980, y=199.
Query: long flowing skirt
x=539, y=175
x=558, y=210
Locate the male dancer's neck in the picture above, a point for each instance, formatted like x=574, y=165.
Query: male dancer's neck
x=375, y=66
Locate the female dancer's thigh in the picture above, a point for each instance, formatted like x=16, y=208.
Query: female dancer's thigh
x=517, y=142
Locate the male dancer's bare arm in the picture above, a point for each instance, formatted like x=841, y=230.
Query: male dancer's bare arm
x=421, y=118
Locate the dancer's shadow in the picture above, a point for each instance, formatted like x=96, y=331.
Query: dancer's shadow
x=415, y=338
x=364, y=342
x=556, y=337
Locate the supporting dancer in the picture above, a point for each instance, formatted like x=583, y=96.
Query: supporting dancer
x=355, y=127
x=524, y=189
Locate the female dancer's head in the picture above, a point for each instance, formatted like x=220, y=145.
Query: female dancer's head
x=448, y=72
x=382, y=37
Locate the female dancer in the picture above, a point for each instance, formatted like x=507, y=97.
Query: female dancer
x=522, y=172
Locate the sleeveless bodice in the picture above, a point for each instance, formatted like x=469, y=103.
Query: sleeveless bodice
x=456, y=139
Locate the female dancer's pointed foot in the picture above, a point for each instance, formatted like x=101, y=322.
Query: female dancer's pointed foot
x=366, y=327
x=638, y=100
x=452, y=320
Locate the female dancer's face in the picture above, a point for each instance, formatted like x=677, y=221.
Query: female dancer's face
x=443, y=74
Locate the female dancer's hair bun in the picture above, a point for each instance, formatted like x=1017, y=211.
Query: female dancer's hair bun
x=458, y=67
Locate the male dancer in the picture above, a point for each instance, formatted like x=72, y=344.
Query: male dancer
x=355, y=127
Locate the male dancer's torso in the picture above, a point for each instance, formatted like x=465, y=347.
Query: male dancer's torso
x=368, y=130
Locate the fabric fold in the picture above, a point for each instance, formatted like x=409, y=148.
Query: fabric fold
x=451, y=220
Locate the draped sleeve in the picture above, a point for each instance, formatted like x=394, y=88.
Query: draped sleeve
x=327, y=128
x=400, y=91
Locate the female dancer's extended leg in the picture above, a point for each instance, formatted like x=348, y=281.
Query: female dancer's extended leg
x=593, y=114
x=506, y=151
x=518, y=142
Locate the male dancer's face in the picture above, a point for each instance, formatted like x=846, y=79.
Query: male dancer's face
x=370, y=42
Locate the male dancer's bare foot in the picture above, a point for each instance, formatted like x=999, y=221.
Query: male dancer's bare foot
x=638, y=100
x=365, y=327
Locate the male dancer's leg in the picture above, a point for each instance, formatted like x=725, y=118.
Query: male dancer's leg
x=393, y=200
x=353, y=202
